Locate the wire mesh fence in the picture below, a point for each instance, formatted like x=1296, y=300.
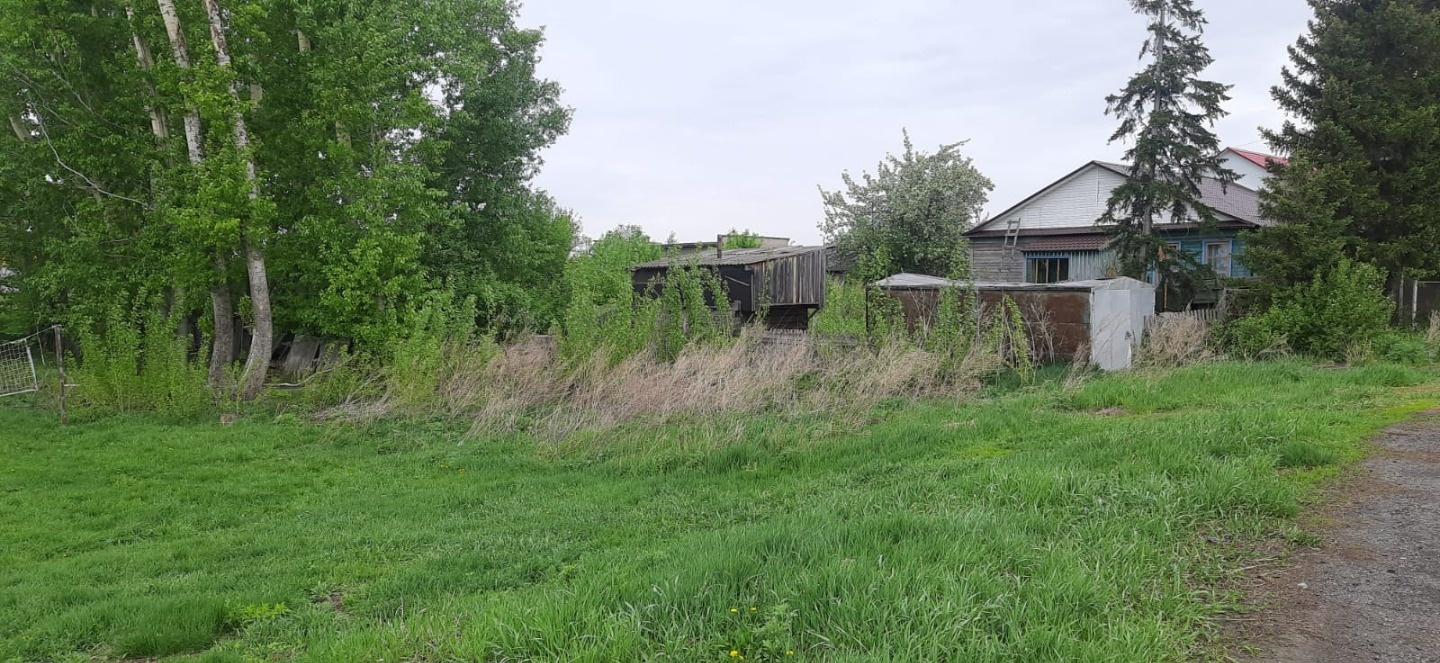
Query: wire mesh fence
x=17, y=369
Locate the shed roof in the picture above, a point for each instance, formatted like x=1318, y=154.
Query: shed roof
x=923, y=282
x=731, y=257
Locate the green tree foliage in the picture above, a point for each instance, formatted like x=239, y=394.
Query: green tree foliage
x=1362, y=90
x=743, y=239
x=607, y=317
x=914, y=210
x=1168, y=111
x=393, y=146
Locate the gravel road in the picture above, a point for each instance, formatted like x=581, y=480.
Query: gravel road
x=1372, y=593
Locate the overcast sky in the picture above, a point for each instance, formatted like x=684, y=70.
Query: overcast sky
x=693, y=117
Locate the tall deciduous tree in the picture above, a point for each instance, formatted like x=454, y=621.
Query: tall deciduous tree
x=1168, y=112
x=1363, y=181
x=914, y=210
x=332, y=153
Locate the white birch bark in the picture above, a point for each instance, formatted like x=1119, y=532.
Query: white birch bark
x=18, y=126
x=143, y=57
x=262, y=340
x=182, y=59
x=222, y=307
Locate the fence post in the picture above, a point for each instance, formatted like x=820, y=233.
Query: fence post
x=60, y=366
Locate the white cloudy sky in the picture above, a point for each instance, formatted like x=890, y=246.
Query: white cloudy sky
x=693, y=117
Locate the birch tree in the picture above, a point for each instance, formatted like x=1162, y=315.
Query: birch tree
x=352, y=155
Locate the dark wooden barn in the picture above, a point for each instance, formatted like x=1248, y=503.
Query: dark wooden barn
x=786, y=284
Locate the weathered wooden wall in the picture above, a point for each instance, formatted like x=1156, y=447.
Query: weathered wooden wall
x=792, y=281
x=987, y=259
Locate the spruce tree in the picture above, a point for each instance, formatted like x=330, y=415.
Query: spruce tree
x=1363, y=181
x=1168, y=111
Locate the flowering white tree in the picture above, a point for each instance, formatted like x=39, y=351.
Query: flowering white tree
x=911, y=215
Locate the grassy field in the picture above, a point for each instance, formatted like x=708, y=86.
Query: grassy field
x=1094, y=523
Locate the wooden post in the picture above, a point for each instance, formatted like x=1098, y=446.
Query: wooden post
x=60, y=366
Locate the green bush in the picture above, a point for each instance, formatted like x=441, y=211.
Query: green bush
x=1403, y=348
x=1327, y=318
x=136, y=362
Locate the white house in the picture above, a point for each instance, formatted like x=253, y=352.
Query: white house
x=1052, y=236
x=1252, y=167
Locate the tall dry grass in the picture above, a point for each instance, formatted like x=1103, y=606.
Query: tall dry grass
x=1176, y=340
x=530, y=387
x=1432, y=333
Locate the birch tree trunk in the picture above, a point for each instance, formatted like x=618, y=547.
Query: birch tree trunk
x=143, y=57
x=18, y=126
x=182, y=59
x=262, y=340
x=222, y=307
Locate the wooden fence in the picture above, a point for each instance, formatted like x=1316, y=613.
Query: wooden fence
x=1207, y=316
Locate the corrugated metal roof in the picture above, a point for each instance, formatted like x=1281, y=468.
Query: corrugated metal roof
x=731, y=257
x=1077, y=243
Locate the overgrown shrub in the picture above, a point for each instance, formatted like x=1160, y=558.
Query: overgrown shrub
x=438, y=328
x=137, y=362
x=1326, y=318
x=1432, y=335
x=1403, y=348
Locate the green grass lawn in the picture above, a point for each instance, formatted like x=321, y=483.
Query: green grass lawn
x=1094, y=524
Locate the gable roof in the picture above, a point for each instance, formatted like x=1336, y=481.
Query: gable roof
x=1258, y=158
x=1232, y=200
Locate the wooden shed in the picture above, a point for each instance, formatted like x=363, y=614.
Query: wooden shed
x=1105, y=317
x=787, y=284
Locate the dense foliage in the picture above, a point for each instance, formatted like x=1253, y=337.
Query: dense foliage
x=1341, y=310
x=1168, y=111
x=1364, y=146
x=913, y=211
x=338, y=159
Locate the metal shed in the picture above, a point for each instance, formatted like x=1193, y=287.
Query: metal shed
x=787, y=283
x=1105, y=317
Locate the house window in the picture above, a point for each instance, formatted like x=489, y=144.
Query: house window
x=1217, y=256
x=1047, y=270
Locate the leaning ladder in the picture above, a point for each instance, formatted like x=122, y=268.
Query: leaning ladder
x=1012, y=240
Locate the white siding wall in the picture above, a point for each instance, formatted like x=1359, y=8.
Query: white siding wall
x=1251, y=175
x=1075, y=203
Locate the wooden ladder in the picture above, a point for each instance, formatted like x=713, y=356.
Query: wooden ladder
x=1012, y=238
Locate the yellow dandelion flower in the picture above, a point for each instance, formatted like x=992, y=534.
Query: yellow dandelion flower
x=753, y=609
x=734, y=610
x=789, y=652
x=734, y=653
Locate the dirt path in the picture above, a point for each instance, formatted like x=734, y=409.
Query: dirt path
x=1373, y=592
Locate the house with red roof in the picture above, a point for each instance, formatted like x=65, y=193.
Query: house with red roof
x=1253, y=168
x=1052, y=236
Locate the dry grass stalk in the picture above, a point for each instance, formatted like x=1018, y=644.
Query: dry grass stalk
x=1176, y=340
x=530, y=387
